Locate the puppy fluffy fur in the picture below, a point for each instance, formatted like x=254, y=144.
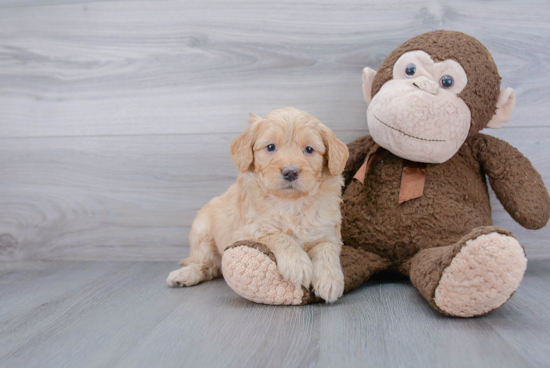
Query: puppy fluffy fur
x=299, y=220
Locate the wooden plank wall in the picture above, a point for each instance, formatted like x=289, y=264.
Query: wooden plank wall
x=116, y=116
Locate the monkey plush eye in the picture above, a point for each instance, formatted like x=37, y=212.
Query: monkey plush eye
x=271, y=147
x=410, y=70
x=446, y=81
x=309, y=150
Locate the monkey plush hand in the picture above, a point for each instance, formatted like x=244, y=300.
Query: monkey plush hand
x=416, y=197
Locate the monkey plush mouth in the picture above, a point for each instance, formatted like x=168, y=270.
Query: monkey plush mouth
x=408, y=135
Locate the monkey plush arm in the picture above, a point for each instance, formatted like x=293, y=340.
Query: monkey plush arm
x=358, y=150
x=518, y=186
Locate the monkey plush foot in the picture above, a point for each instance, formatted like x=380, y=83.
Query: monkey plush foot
x=482, y=276
x=250, y=269
x=472, y=277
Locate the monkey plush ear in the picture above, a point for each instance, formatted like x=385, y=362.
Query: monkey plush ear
x=505, y=108
x=368, y=77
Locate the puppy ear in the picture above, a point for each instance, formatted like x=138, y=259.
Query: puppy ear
x=337, y=152
x=241, y=147
x=252, y=118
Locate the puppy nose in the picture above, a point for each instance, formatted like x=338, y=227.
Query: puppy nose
x=426, y=85
x=290, y=173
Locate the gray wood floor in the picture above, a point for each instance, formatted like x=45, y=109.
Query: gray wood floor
x=121, y=314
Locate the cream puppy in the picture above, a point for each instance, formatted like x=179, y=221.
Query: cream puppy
x=287, y=196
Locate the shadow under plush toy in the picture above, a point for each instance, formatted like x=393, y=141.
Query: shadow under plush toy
x=416, y=196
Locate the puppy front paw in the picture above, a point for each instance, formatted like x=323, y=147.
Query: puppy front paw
x=328, y=281
x=296, y=267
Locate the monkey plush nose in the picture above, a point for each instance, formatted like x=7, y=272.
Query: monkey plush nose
x=290, y=173
x=426, y=85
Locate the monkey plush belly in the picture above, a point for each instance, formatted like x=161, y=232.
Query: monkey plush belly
x=452, y=204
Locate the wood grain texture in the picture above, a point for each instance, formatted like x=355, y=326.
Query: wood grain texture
x=134, y=197
x=121, y=314
x=116, y=116
x=142, y=67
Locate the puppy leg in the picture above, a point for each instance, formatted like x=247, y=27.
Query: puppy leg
x=293, y=263
x=204, y=262
x=328, y=279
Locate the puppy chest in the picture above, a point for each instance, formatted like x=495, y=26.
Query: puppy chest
x=305, y=229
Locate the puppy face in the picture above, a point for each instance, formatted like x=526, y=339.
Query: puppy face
x=290, y=152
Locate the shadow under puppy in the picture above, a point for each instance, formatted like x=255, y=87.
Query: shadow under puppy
x=287, y=196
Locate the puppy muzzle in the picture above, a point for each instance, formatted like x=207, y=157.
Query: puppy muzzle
x=290, y=173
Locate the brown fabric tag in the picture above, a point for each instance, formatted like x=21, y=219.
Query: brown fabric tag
x=375, y=155
x=413, y=179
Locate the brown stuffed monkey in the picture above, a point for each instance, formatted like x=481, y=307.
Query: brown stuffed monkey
x=416, y=196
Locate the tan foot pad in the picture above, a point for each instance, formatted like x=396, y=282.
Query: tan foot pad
x=254, y=275
x=482, y=276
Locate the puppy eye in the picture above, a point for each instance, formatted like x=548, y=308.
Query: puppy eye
x=446, y=81
x=271, y=147
x=410, y=70
x=309, y=150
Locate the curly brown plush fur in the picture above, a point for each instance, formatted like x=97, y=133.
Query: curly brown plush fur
x=455, y=202
x=455, y=199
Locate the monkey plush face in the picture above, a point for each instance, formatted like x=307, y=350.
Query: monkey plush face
x=417, y=115
x=431, y=93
